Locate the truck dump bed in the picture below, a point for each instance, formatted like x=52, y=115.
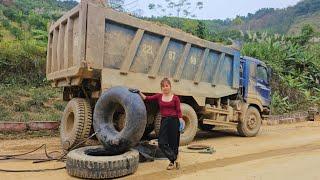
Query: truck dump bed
x=95, y=42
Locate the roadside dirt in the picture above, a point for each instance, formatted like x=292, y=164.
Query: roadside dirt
x=278, y=152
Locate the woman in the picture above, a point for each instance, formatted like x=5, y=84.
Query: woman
x=171, y=117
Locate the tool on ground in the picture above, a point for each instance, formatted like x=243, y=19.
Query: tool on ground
x=204, y=149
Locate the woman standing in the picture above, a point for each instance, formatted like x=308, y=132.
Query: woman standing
x=171, y=117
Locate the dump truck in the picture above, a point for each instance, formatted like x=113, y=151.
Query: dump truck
x=96, y=53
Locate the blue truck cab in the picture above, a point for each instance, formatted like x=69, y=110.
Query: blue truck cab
x=255, y=84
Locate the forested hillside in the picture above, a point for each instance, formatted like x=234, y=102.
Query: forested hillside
x=24, y=91
x=283, y=20
x=294, y=55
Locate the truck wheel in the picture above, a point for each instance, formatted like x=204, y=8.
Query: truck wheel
x=129, y=135
x=75, y=123
x=251, y=123
x=152, y=111
x=80, y=163
x=191, y=121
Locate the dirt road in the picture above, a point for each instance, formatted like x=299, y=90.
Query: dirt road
x=278, y=152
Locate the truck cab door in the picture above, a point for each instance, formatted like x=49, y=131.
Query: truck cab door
x=263, y=85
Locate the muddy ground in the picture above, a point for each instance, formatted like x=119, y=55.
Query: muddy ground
x=279, y=152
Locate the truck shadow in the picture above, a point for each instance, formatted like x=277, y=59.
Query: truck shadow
x=216, y=134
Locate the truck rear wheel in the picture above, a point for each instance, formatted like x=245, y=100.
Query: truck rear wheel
x=135, y=119
x=191, y=121
x=251, y=123
x=76, y=122
x=152, y=111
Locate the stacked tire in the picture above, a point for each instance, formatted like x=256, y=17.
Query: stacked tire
x=119, y=120
x=83, y=165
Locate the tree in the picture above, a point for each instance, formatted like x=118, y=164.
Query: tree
x=117, y=5
x=201, y=30
x=237, y=21
x=178, y=8
x=124, y=6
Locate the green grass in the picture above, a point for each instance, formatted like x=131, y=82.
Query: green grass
x=26, y=103
x=28, y=134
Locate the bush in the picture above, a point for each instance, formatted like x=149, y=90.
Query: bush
x=21, y=107
x=296, y=68
x=59, y=105
x=22, y=62
x=4, y=114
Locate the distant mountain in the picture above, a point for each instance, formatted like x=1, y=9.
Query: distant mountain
x=288, y=20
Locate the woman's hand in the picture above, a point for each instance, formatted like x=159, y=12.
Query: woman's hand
x=138, y=92
x=134, y=90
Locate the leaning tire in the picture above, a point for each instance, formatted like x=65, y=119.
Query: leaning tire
x=191, y=120
x=135, y=119
x=82, y=165
x=251, y=123
x=76, y=123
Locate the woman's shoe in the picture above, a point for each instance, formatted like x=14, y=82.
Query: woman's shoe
x=170, y=166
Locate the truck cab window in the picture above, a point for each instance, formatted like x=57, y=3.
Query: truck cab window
x=262, y=73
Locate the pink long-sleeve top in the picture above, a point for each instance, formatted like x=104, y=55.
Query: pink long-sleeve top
x=171, y=108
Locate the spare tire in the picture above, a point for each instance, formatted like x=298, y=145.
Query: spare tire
x=135, y=119
x=75, y=123
x=81, y=164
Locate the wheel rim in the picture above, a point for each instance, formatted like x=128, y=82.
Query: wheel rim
x=252, y=122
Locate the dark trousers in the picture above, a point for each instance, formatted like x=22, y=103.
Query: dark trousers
x=169, y=137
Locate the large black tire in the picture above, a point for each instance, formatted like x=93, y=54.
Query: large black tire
x=191, y=121
x=135, y=119
x=75, y=123
x=80, y=164
x=251, y=123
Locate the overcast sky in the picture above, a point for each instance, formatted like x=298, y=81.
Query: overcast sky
x=218, y=9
